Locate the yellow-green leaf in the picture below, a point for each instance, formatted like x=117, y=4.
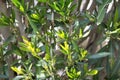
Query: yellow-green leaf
x=21, y=8
x=83, y=53
x=35, y=16
x=61, y=34
x=92, y=72
x=65, y=47
x=26, y=41
x=18, y=70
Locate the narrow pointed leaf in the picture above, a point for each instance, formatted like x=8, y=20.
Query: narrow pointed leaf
x=99, y=55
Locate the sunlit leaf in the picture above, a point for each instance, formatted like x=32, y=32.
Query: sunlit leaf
x=21, y=8
x=35, y=16
x=65, y=47
x=43, y=1
x=61, y=34
x=92, y=72
x=80, y=33
x=55, y=6
x=18, y=5
x=18, y=70
x=28, y=46
x=83, y=53
x=72, y=73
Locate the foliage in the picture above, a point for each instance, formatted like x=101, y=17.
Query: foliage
x=52, y=48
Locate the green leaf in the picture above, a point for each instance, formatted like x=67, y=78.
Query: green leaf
x=116, y=16
x=73, y=7
x=18, y=5
x=35, y=16
x=43, y=1
x=34, y=27
x=105, y=2
x=54, y=6
x=47, y=48
x=28, y=47
x=47, y=57
x=62, y=2
x=99, y=1
x=92, y=72
x=101, y=11
x=101, y=14
x=116, y=67
x=83, y=53
x=13, y=15
x=4, y=21
x=68, y=73
x=99, y=55
x=75, y=46
x=21, y=8
x=61, y=34
x=72, y=73
x=65, y=47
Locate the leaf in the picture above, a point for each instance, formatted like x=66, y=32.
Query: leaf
x=47, y=48
x=62, y=2
x=116, y=67
x=72, y=73
x=83, y=53
x=68, y=73
x=23, y=47
x=80, y=33
x=54, y=6
x=28, y=47
x=101, y=14
x=105, y=2
x=47, y=57
x=35, y=16
x=99, y=1
x=18, y=70
x=99, y=68
x=65, y=47
x=18, y=5
x=61, y=34
x=4, y=21
x=15, y=51
x=73, y=7
x=34, y=27
x=99, y=55
x=101, y=11
x=13, y=15
x=116, y=16
x=75, y=46
x=92, y=72
x=21, y=8
x=115, y=31
x=43, y=1
x=41, y=76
